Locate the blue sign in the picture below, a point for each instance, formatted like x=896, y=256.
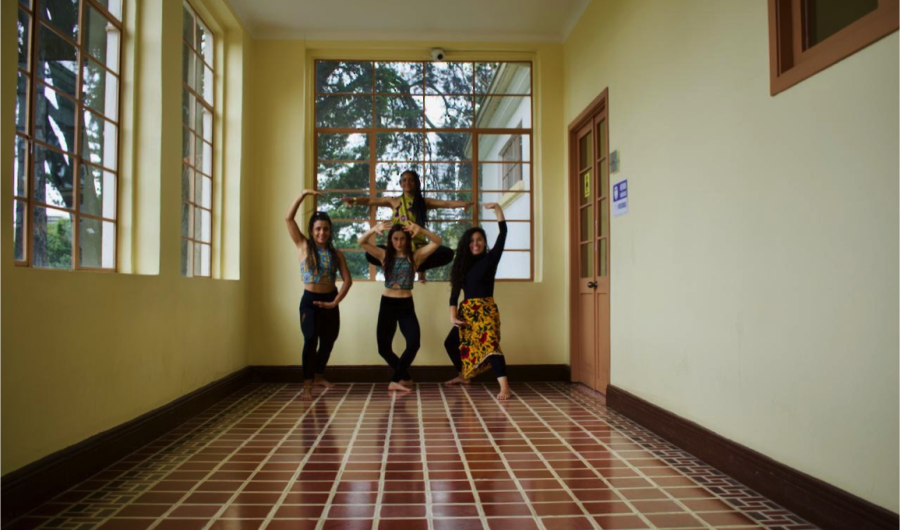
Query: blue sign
x=620, y=198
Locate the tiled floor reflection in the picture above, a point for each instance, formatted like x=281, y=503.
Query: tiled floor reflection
x=358, y=458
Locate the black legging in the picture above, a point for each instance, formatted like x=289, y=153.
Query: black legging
x=451, y=344
x=442, y=256
x=320, y=329
x=392, y=312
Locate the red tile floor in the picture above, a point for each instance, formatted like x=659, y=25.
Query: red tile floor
x=358, y=458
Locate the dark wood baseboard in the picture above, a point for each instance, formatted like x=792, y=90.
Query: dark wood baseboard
x=423, y=374
x=815, y=500
x=26, y=488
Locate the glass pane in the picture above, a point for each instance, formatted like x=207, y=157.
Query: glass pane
x=601, y=139
x=198, y=187
x=399, y=112
x=205, y=261
x=587, y=260
x=206, y=226
x=113, y=6
x=187, y=183
x=504, y=147
x=57, y=63
x=518, y=238
x=204, y=123
x=198, y=224
x=63, y=15
x=586, y=181
x=387, y=175
x=101, y=38
x=604, y=269
x=333, y=77
x=398, y=78
x=198, y=154
x=206, y=192
x=207, y=46
x=824, y=18
x=198, y=260
x=503, y=112
x=96, y=243
x=516, y=206
x=206, y=84
x=20, y=167
x=497, y=176
x=449, y=214
x=346, y=233
x=207, y=159
x=449, y=78
x=343, y=111
x=55, y=120
x=97, y=192
x=585, y=152
x=188, y=67
x=342, y=177
x=503, y=78
x=448, y=147
x=52, y=238
x=335, y=206
x=343, y=146
x=98, y=141
x=400, y=147
x=100, y=89
x=357, y=264
x=451, y=232
x=187, y=146
x=199, y=34
x=186, y=253
x=448, y=177
x=187, y=27
x=53, y=178
x=587, y=224
x=187, y=104
x=20, y=211
x=187, y=219
x=448, y=112
x=515, y=266
x=604, y=216
x=24, y=41
x=604, y=179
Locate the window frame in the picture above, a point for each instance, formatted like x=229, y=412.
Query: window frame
x=32, y=8
x=516, y=168
x=790, y=62
x=374, y=129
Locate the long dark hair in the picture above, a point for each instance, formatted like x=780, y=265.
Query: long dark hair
x=418, y=205
x=312, y=256
x=390, y=254
x=464, y=257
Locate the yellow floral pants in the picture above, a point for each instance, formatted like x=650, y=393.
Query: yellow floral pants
x=480, y=337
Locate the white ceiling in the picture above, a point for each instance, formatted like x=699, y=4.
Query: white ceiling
x=411, y=20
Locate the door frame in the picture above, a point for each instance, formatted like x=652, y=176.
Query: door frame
x=599, y=103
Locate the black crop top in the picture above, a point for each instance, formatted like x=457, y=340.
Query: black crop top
x=479, y=281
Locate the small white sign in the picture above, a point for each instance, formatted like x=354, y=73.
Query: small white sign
x=620, y=198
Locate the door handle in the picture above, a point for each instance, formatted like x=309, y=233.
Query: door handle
x=592, y=285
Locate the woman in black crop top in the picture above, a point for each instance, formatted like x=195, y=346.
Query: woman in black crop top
x=474, y=343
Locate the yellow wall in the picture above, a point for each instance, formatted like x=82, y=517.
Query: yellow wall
x=754, y=280
x=83, y=352
x=281, y=150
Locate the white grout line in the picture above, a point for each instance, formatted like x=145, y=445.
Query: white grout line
x=424, y=450
x=384, y=460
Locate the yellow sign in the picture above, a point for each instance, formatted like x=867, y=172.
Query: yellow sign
x=587, y=186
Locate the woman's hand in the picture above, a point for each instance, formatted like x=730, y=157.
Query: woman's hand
x=326, y=305
x=382, y=226
x=349, y=201
x=311, y=192
x=498, y=211
x=413, y=229
x=457, y=322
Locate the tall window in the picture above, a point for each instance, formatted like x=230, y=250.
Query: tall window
x=449, y=121
x=197, y=136
x=67, y=130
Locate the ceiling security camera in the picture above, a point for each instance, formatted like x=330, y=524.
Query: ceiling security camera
x=437, y=54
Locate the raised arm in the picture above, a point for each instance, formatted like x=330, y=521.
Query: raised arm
x=434, y=242
x=437, y=203
x=367, y=240
x=497, y=250
x=294, y=230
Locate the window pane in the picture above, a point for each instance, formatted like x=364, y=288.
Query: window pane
x=503, y=78
x=401, y=146
x=343, y=146
x=398, y=78
x=53, y=178
x=516, y=206
x=188, y=67
x=604, y=215
x=342, y=177
x=450, y=232
x=205, y=192
x=333, y=204
x=63, y=15
x=205, y=232
x=343, y=77
x=187, y=219
x=357, y=264
x=601, y=246
x=343, y=111
x=24, y=41
x=448, y=177
x=52, y=238
x=55, y=120
x=22, y=103
x=454, y=214
x=187, y=183
x=448, y=112
x=113, y=6
x=586, y=183
x=503, y=112
x=587, y=260
x=448, y=147
x=207, y=46
x=587, y=223
x=604, y=179
x=187, y=106
x=57, y=63
x=514, y=266
x=97, y=192
x=205, y=261
x=399, y=112
x=98, y=141
x=187, y=28
x=20, y=167
x=499, y=176
x=448, y=78
x=387, y=175
x=205, y=79
x=96, y=243
x=20, y=211
x=207, y=158
x=346, y=233
x=187, y=146
x=198, y=259
x=100, y=89
x=101, y=38
x=204, y=123
x=601, y=139
x=186, y=253
x=518, y=238
x=824, y=18
x=491, y=147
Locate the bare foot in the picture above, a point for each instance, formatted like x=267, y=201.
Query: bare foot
x=320, y=380
x=409, y=383
x=398, y=386
x=504, y=389
x=307, y=391
x=458, y=380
